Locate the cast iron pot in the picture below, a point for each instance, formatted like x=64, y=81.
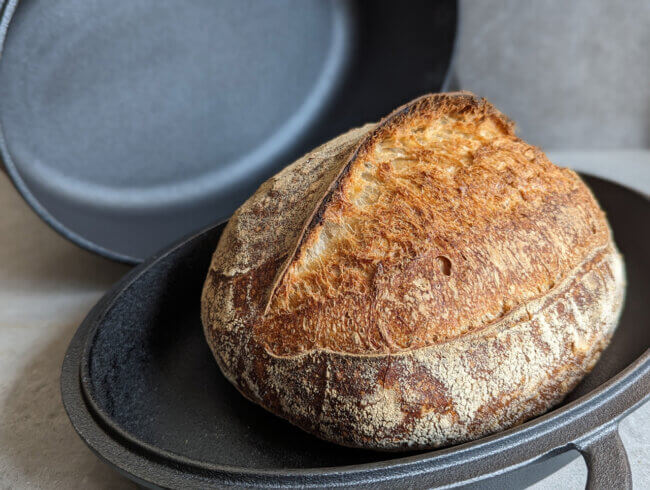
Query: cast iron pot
x=143, y=391
x=127, y=124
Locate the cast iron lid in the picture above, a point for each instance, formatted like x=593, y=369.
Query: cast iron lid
x=129, y=123
x=142, y=389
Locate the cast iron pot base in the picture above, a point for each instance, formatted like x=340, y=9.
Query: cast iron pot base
x=143, y=391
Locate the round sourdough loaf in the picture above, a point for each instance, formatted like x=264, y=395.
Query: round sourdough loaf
x=414, y=283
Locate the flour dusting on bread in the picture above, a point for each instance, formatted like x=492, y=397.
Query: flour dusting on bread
x=414, y=283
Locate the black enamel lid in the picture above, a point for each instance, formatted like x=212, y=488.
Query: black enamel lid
x=127, y=124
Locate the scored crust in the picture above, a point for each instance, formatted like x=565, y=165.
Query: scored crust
x=414, y=283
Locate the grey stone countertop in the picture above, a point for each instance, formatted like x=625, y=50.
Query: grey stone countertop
x=47, y=285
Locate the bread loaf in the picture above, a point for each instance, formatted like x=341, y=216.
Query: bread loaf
x=414, y=283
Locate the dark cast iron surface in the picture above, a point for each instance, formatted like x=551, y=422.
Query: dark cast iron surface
x=142, y=390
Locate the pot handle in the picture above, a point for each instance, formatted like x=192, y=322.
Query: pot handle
x=607, y=463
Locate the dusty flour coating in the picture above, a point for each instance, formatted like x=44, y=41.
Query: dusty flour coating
x=271, y=225
x=526, y=362
x=515, y=366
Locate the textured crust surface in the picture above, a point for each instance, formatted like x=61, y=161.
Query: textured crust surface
x=415, y=283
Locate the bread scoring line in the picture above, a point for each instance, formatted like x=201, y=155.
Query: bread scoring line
x=560, y=287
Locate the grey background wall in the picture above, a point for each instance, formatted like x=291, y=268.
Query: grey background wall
x=574, y=74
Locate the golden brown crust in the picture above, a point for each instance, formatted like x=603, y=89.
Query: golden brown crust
x=429, y=234
x=414, y=283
